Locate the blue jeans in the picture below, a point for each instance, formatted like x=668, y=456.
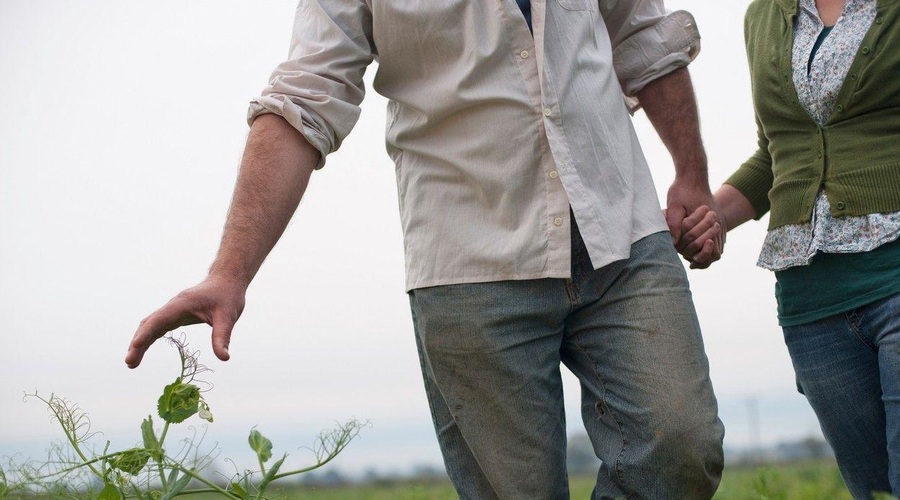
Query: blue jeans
x=491, y=355
x=848, y=366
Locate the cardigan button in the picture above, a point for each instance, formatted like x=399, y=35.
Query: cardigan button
x=866, y=50
x=879, y=20
x=840, y=205
x=839, y=108
x=854, y=76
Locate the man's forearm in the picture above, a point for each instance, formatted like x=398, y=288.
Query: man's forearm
x=672, y=109
x=275, y=170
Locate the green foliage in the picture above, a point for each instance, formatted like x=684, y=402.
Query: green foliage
x=179, y=401
x=149, y=472
x=261, y=445
x=151, y=443
x=131, y=461
x=811, y=480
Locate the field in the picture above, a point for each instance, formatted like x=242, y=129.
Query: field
x=801, y=481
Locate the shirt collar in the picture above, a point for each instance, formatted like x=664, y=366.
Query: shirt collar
x=790, y=6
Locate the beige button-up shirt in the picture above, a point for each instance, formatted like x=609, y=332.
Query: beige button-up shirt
x=494, y=132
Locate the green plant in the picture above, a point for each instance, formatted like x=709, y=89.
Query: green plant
x=769, y=485
x=149, y=472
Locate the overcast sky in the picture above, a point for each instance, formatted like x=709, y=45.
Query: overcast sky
x=121, y=131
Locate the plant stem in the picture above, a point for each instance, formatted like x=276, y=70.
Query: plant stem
x=212, y=486
x=159, y=463
x=262, y=468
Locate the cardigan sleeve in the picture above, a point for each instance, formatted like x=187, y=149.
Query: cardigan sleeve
x=754, y=178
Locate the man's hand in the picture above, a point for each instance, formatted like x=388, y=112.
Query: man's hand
x=215, y=301
x=695, y=222
x=277, y=164
x=702, y=237
x=671, y=108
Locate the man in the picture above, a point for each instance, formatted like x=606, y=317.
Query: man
x=505, y=120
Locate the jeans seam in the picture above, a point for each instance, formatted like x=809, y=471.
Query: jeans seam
x=853, y=320
x=617, y=465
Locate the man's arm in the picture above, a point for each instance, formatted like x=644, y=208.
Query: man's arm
x=672, y=109
x=275, y=170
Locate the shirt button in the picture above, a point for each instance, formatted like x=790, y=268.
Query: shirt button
x=558, y=221
x=840, y=205
x=524, y=54
x=548, y=111
x=553, y=174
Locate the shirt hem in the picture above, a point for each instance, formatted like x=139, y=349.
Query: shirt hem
x=552, y=273
x=809, y=317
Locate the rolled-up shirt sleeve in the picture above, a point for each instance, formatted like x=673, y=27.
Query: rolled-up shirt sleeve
x=648, y=42
x=319, y=88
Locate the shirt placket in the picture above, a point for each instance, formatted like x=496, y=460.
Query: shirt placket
x=553, y=168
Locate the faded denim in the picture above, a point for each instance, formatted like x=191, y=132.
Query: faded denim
x=491, y=355
x=848, y=366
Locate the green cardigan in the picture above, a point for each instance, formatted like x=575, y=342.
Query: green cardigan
x=855, y=156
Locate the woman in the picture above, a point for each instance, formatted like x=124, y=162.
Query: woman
x=826, y=90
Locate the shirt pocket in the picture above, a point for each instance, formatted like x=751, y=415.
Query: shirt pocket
x=578, y=4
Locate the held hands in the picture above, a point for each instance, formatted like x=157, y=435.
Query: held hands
x=702, y=238
x=697, y=226
x=215, y=301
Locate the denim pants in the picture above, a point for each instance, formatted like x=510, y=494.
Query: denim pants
x=848, y=366
x=491, y=355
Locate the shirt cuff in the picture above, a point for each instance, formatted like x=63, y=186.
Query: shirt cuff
x=672, y=43
x=296, y=116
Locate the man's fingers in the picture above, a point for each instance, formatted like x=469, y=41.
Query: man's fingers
x=697, y=233
x=697, y=216
x=164, y=320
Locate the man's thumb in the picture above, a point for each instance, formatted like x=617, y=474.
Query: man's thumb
x=674, y=217
x=221, y=337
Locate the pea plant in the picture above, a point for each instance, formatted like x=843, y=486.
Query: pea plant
x=74, y=469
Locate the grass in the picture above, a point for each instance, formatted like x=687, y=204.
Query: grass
x=796, y=481
x=816, y=480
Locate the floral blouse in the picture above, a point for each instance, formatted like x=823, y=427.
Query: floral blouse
x=817, y=83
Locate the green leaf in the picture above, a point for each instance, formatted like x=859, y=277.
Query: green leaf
x=273, y=470
x=261, y=445
x=237, y=488
x=173, y=476
x=151, y=443
x=131, y=461
x=175, y=489
x=109, y=492
x=178, y=401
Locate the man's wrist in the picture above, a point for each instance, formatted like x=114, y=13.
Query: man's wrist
x=230, y=276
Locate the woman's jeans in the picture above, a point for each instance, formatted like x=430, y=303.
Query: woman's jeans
x=491, y=355
x=848, y=366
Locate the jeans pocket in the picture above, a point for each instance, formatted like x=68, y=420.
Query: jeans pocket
x=578, y=4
